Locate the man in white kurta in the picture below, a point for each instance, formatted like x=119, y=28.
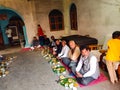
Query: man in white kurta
x=87, y=69
x=9, y=35
x=65, y=50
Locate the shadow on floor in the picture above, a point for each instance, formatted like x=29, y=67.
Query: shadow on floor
x=9, y=49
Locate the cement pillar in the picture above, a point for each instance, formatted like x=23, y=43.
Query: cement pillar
x=66, y=5
x=26, y=38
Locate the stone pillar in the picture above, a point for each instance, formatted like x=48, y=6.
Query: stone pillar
x=66, y=5
x=26, y=38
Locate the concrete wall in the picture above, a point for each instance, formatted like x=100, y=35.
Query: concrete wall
x=95, y=17
x=25, y=9
x=43, y=8
x=98, y=18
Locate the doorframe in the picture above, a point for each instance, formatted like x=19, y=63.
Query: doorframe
x=24, y=27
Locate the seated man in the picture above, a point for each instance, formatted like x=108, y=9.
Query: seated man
x=35, y=43
x=65, y=49
x=47, y=40
x=73, y=56
x=87, y=69
x=52, y=43
x=58, y=48
x=1, y=58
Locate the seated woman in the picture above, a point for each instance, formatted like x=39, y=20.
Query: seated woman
x=35, y=43
x=65, y=49
x=87, y=69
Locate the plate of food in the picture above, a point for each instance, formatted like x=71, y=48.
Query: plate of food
x=58, y=69
x=69, y=82
x=54, y=61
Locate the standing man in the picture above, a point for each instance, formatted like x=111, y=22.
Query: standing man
x=113, y=56
x=9, y=35
x=40, y=35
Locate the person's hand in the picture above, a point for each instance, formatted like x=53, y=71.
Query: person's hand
x=57, y=57
x=79, y=74
x=54, y=53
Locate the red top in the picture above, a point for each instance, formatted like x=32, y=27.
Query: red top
x=40, y=32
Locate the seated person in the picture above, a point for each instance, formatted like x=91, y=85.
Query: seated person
x=87, y=69
x=52, y=44
x=58, y=48
x=73, y=56
x=64, y=52
x=35, y=43
x=1, y=58
x=46, y=41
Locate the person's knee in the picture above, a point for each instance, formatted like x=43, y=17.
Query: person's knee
x=83, y=82
x=66, y=61
x=73, y=69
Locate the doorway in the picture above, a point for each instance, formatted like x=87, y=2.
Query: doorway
x=12, y=19
x=16, y=24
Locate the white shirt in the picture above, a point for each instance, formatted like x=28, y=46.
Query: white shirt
x=93, y=63
x=64, y=52
x=9, y=32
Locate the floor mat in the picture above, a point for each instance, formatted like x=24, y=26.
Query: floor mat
x=25, y=49
x=100, y=79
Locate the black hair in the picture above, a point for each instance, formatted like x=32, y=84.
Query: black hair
x=52, y=36
x=38, y=25
x=84, y=47
x=115, y=34
x=56, y=40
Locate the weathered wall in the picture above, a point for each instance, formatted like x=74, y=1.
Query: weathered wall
x=95, y=17
x=43, y=8
x=25, y=9
x=98, y=17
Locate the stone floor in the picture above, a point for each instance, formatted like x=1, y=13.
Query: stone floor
x=30, y=71
x=8, y=49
